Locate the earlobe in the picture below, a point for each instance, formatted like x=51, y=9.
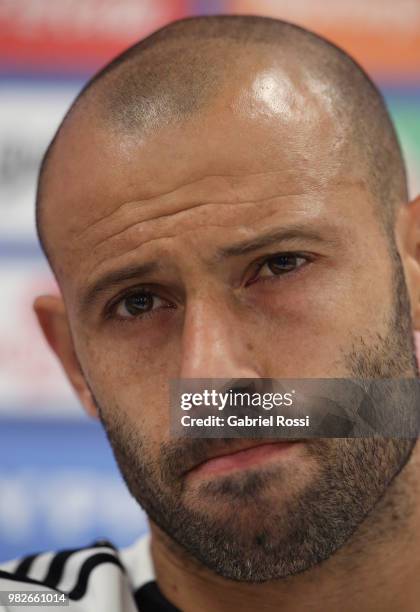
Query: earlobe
x=408, y=241
x=52, y=317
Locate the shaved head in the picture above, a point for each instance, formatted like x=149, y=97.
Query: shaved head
x=183, y=69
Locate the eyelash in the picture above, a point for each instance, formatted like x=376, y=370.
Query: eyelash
x=110, y=310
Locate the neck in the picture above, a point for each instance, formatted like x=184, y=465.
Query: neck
x=378, y=569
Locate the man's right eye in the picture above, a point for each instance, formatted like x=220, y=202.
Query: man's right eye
x=137, y=304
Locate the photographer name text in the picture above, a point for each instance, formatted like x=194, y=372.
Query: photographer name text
x=244, y=421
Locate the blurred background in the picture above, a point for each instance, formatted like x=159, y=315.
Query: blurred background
x=59, y=486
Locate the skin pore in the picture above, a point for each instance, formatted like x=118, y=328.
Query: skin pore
x=157, y=214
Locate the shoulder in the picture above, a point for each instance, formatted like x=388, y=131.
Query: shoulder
x=94, y=577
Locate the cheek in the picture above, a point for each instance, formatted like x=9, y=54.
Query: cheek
x=129, y=353
x=127, y=380
x=309, y=324
x=136, y=440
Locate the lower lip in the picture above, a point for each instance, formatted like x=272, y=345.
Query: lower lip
x=249, y=457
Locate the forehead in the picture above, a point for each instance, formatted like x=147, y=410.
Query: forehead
x=270, y=133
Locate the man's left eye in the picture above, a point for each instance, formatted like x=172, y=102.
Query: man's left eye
x=281, y=264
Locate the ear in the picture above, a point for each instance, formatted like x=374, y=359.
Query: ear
x=51, y=314
x=408, y=242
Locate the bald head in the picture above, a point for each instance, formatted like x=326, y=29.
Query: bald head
x=183, y=69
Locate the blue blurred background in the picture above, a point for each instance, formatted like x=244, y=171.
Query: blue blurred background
x=59, y=485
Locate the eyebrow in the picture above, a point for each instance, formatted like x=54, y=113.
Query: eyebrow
x=291, y=233
x=113, y=279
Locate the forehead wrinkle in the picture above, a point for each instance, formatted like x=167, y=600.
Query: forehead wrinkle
x=171, y=191
x=255, y=240
x=151, y=206
x=184, y=209
x=115, y=258
x=244, y=230
x=148, y=242
x=150, y=226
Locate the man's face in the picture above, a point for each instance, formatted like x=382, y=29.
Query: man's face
x=243, y=242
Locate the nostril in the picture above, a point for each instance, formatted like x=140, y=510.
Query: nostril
x=246, y=387
x=249, y=385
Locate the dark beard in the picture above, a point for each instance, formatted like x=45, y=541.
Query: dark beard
x=252, y=535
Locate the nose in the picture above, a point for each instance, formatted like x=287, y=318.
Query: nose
x=216, y=340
